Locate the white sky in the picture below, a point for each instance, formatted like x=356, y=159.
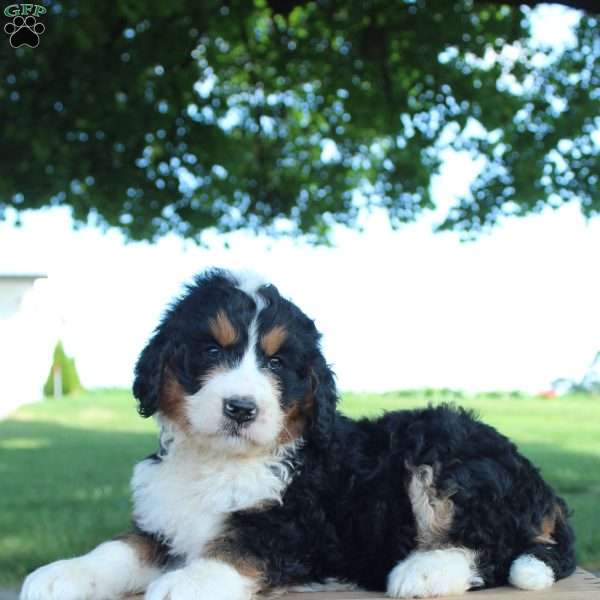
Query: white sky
x=514, y=310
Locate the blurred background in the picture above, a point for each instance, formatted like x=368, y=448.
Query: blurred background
x=420, y=177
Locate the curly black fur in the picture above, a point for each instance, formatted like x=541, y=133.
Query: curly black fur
x=348, y=515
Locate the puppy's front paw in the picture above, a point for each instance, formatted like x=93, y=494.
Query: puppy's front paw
x=202, y=580
x=62, y=580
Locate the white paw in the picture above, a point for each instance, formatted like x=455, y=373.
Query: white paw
x=62, y=580
x=530, y=573
x=202, y=580
x=176, y=585
x=425, y=574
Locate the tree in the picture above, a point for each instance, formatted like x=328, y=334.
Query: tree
x=63, y=377
x=286, y=116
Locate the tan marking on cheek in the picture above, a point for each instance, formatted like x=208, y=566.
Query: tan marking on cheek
x=295, y=419
x=222, y=329
x=172, y=401
x=272, y=341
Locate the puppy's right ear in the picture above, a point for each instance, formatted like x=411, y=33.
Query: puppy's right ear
x=149, y=375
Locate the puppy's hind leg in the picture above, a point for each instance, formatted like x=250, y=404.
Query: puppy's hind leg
x=112, y=569
x=430, y=573
x=435, y=568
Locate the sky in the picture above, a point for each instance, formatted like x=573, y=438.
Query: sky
x=515, y=309
x=398, y=309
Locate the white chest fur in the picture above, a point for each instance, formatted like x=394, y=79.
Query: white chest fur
x=185, y=497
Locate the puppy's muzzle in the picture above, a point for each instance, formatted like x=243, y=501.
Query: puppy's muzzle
x=241, y=409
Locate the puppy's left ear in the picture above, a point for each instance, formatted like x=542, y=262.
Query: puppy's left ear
x=149, y=375
x=325, y=400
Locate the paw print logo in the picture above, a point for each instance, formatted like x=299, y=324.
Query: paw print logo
x=24, y=31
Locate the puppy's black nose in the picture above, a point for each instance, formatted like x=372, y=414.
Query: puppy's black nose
x=242, y=409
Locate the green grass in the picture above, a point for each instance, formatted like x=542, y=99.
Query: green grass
x=65, y=466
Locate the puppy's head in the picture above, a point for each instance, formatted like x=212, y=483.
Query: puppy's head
x=236, y=366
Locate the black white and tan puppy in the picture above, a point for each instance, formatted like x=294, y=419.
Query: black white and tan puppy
x=260, y=484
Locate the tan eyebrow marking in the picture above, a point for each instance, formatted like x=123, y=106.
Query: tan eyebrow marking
x=272, y=340
x=222, y=329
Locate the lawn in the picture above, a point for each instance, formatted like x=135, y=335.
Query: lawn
x=65, y=466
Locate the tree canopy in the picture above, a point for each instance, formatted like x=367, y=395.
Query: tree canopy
x=289, y=116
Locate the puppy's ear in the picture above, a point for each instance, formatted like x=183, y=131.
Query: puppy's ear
x=325, y=400
x=149, y=375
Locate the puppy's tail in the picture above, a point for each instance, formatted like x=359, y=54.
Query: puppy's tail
x=551, y=555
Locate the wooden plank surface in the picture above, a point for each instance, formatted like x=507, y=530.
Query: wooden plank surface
x=580, y=586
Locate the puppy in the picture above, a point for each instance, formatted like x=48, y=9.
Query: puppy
x=259, y=484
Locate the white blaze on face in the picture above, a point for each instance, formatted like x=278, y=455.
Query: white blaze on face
x=249, y=282
x=204, y=409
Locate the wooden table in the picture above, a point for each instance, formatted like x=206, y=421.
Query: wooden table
x=580, y=586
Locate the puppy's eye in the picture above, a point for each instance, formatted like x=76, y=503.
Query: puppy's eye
x=274, y=363
x=213, y=351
